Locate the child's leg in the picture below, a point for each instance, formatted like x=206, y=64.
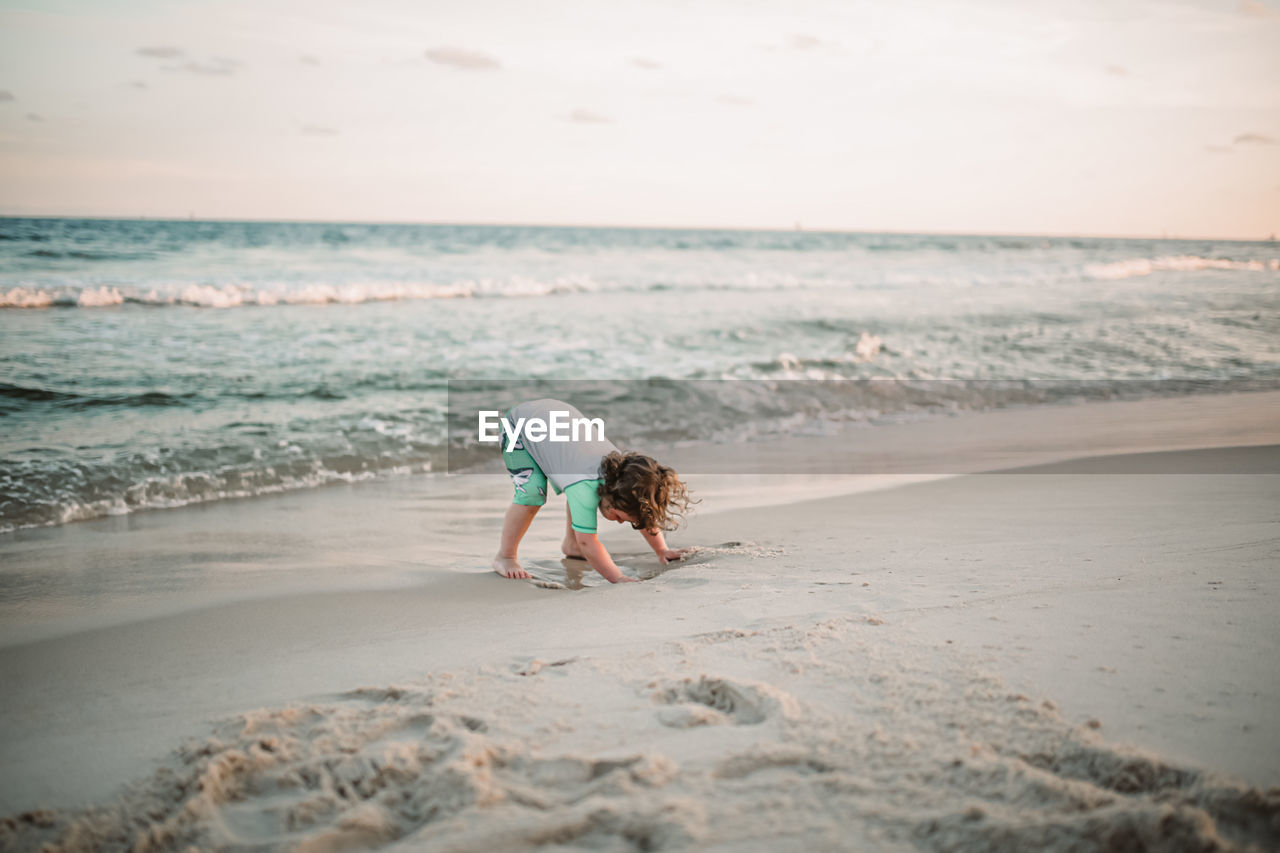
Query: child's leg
x=531, y=493
x=519, y=517
x=570, y=544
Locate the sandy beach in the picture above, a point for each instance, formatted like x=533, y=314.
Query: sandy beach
x=1080, y=655
x=358, y=360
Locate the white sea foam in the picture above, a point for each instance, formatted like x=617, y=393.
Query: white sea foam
x=98, y=297
x=318, y=293
x=169, y=492
x=210, y=297
x=21, y=297
x=839, y=274
x=1133, y=267
x=868, y=346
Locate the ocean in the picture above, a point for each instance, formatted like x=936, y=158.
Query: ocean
x=151, y=364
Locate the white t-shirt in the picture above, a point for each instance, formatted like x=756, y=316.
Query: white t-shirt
x=564, y=462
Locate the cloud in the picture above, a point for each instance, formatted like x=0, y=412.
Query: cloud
x=317, y=130
x=1118, y=70
x=467, y=60
x=734, y=100
x=646, y=64
x=6, y=95
x=217, y=66
x=588, y=117
x=1255, y=138
x=800, y=41
x=159, y=52
x=1219, y=149
x=804, y=42
x=308, y=60
x=1257, y=9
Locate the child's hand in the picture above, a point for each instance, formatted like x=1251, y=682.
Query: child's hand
x=672, y=554
x=625, y=579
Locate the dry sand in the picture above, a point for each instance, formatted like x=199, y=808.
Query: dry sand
x=1058, y=659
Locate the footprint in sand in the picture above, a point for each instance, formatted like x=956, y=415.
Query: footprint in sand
x=719, y=701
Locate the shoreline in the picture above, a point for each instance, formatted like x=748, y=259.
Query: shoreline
x=406, y=530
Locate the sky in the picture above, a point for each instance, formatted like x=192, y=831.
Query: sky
x=1098, y=117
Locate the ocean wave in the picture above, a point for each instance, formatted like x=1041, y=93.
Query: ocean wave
x=36, y=399
x=31, y=497
x=10, y=395
x=857, y=362
x=246, y=458
x=83, y=255
x=238, y=295
x=1134, y=267
x=852, y=276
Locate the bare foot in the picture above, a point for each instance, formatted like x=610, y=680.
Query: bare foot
x=570, y=548
x=509, y=567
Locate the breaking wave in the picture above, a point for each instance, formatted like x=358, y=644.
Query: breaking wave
x=237, y=295
x=1134, y=267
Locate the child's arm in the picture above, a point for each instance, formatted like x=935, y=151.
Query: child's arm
x=598, y=558
x=659, y=545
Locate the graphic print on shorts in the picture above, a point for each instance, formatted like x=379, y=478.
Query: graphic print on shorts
x=520, y=476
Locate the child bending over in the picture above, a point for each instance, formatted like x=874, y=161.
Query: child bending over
x=593, y=475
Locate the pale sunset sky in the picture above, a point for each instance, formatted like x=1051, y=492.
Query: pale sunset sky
x=972, y=116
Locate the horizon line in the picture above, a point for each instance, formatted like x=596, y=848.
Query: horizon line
x=797, y=229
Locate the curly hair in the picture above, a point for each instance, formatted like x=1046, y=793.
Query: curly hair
x=649, y=492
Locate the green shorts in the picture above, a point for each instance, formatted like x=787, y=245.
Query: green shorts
x=531, y=489
x=530, y=482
